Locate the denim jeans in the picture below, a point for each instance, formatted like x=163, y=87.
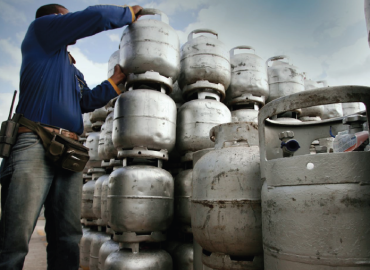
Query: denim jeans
x=29, y=180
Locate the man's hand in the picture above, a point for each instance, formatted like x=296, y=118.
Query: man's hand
x=137, y=10
x=118, y=76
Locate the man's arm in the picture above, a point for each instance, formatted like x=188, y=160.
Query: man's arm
x=101, y=94
x=55, y=31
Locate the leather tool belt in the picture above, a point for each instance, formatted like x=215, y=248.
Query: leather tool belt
x=60, y=145
x=61, y=131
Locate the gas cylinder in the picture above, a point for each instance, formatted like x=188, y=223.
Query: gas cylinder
x=351, y=108
x=97, y=202
x=248, y=76
x=106, y=149
x=104, y=203
x=150, y=50
x=313, y=113
x=97, y=118
x=226, y=200
x=245, y=112
x=107, y=248
x=87, y=123
x=176, y=95
x=315, y=207
x=183, y=257
x=92, y=142
x=140, y=202
x=195, y=119
x=87, y=200
x=85, y=244
x=284, y=78
x=144, y=118
x=152, y=259
x=98, y=240
x=183, y=188
x=205, y=63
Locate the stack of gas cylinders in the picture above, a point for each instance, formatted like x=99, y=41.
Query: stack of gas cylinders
x=174, y=178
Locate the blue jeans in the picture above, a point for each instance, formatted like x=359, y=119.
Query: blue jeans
x=29, y=180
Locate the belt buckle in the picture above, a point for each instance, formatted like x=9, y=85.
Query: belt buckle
x=62, y=129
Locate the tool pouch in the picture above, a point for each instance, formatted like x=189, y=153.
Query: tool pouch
x=8, y=136
x=63, y=151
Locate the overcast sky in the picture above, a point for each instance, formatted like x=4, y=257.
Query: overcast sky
x=325, y=38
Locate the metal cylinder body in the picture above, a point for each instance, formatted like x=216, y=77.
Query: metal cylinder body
x=316, y=218
x=351, y=108
x=85, y=244
x=183, y=257
x=87, y=123
x=195, y=119
x=314, y=111
x=183, y=189
x=104, y=201
x=315, y=206
x=98, y=115
x=107, y=248
x=176, y=95
x=109, y=150
x=98, y=195
x=140, y=199
x=143, y=260
x=245, y=115
x=150, y=45
x=92, y=142
x=87, y=200
x=226, y=204
x=204, y=58
x=101, y=152
x=98, y=240
x=144, y=118
x=248, y=75
x=284, y=79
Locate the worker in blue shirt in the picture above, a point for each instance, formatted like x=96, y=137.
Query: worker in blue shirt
x=54, y=93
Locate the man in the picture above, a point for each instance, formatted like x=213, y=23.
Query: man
x=52, y=92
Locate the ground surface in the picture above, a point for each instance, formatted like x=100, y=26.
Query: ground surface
x=36, y=257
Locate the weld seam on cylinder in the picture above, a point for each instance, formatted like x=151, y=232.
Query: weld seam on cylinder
x=322, y=261
x=212, y=54
x=145, y=116
x=139, y=197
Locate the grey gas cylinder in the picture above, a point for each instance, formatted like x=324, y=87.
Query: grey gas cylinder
x=205, y=63
x=140, y=203
x=284, y=78
x=99, y=238
x=106, y=150
x=97, y=201
x=92, y=142
x=183, y=189
x=85, y=244
x=248, y=76
x=150, y=50
x=144, y=118
x=87, y=200
x=126, y=259
x=314, y=111
x=226, y=200
x=107, y=248
x=315, y=207
x=182, y=257
x=195, y=119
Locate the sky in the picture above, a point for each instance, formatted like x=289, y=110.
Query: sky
x=327, y=39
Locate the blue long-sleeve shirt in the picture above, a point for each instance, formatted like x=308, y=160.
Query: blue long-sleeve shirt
x=52, y=90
